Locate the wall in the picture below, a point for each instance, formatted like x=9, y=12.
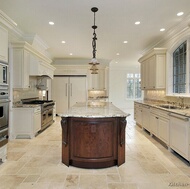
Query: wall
x=117, y=86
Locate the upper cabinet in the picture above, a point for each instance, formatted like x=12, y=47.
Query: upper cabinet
x=3, y=45
x=98, y=81
x=28, y=62
x=153, y=69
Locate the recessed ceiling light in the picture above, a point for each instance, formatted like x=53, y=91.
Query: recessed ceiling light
x=162, y=29
x=117, y=54
x=116, y=62
x=71, y=54
x=180, y=13
x=137, y=22
x=63, y=42
x=125, y=41
x=51, y=23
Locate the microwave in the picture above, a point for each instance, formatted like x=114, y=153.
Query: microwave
x=3, y=74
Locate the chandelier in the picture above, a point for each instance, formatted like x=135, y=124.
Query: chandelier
x=94, y=61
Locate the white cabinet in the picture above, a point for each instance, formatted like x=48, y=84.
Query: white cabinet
x=66, y=91
x=26, y=122
x=164, y=126
x=153, y=69
x=3, y=45
x=3, y=153
x=180, y=135
x=97, y=81
x=138, y=113
x=21, y=60
x=146, y=117
x=154, y=121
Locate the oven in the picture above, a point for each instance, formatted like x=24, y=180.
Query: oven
x=3, y=74
x=47, y=114
x=4, y=116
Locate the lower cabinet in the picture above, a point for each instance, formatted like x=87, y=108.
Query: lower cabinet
x=180, y=135
x=138, y=113
x=171, y=128
x=26, y=122
x=146, y=117
x=164, y=127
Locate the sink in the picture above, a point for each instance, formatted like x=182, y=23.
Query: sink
x=168, y=106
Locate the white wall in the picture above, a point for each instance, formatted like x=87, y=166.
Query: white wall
x=117, y=86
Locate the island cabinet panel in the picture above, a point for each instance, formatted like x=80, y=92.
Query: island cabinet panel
x=93, y=142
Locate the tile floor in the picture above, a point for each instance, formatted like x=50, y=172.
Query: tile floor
x=36, y=163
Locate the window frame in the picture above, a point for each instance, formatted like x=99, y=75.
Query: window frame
x=169, y=72
x=133, y=78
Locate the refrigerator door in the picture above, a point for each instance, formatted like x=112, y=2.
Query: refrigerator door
x=60, y=93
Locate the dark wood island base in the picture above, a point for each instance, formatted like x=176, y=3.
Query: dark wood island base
x=93, y=142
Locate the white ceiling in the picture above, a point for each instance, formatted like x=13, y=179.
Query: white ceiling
x=115, y=20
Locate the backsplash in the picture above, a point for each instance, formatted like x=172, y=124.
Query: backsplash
x=31, y=92
x=160, y=95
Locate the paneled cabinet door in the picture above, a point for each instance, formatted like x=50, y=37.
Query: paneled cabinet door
x=146, y=117
x=21, y=60
x=163, y=130
x=154, y=119
x=3, y=45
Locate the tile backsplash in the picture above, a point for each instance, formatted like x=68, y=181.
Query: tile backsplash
x=31, y=92
x=160, y=95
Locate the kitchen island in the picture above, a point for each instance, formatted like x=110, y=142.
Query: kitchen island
x=93, y=136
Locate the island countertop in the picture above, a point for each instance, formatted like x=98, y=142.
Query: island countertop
x=90, y=110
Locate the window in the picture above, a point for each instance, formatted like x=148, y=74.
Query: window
x=179, y=69
x=133, y=86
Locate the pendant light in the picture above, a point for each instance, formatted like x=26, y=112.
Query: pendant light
x=94, y=61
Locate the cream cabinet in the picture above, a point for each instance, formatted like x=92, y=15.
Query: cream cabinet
x=26, y=122
x=146, y=117
x=153, y=69
x=138, y=113
x=3, y=45
x=21, y=60
x=154, y=121
x=180, y=135
x=97, y=81
x=164, y=126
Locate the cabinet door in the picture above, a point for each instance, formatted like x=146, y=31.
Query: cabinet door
x=146, y=118
x=152, y=72
x=60, y=93
x=154, y=124
x=163, y=130
x=21, y=62
x=3, y=45
x=78, y=91
x=179, y=135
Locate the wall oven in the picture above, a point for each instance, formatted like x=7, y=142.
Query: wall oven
x=3, y=74
x=4, y=115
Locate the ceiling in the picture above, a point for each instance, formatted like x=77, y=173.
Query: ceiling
x=115, y=20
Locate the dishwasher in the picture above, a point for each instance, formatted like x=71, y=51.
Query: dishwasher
x=180, y=135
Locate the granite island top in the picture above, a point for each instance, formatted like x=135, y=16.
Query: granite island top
x=86, y=110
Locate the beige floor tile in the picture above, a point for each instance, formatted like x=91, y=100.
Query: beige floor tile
x=36, y=164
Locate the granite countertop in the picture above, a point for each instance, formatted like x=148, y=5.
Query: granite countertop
x=90, y=110
x=156, y=104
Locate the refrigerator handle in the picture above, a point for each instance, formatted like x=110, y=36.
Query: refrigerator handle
x=71, y=89
x=66, y=89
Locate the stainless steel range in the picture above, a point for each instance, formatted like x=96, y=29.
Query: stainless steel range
x=46, y=110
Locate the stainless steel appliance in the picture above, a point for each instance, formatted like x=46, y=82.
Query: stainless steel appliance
x=3, y=74
x=46, y=110
x=4, y=114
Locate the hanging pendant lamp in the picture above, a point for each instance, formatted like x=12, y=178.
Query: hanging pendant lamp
x=94, y=61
